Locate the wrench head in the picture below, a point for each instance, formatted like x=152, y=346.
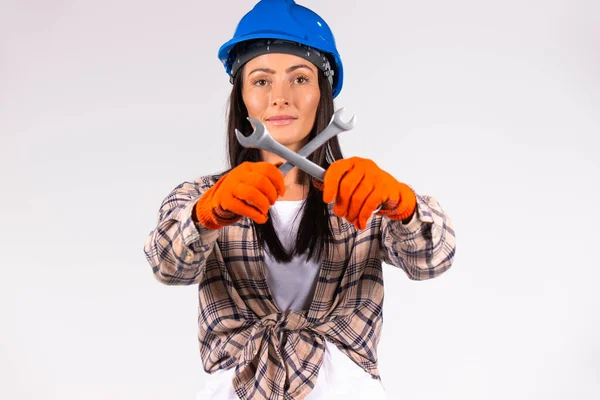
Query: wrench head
x=255, y=138
x=337, y=120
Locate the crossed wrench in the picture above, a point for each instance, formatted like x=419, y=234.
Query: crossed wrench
x=261, y=139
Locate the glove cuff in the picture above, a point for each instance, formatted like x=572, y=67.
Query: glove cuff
x=403, y=207
x=213, y=216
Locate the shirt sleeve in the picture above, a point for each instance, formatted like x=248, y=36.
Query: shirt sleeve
x=424, y=247
x=177, y=249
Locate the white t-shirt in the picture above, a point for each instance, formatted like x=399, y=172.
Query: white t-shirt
x=292, y=286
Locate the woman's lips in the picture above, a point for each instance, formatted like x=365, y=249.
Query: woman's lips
x=281, y=120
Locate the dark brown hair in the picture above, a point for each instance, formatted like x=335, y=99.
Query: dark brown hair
x=314, y=232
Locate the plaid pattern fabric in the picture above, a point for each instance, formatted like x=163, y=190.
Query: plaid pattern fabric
x=277, y=355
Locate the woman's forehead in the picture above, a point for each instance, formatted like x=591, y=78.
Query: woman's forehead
x=279, y=62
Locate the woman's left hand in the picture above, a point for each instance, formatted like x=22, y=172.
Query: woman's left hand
x=359, y=186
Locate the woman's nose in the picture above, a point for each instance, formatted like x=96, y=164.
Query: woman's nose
x=280, y=95
x=280, y=101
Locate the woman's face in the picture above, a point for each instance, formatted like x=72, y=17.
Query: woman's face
x=282, y=91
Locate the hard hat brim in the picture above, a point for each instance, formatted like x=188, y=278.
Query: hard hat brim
x=225, y=49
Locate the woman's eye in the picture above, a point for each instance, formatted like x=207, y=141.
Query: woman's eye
x=260, y=82
x=301, y=79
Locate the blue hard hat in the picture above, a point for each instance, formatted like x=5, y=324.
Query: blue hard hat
x=285, y=20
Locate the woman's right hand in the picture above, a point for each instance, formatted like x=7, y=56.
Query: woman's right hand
x=248, y=190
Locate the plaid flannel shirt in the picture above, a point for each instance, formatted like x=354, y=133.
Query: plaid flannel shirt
x=277, y=355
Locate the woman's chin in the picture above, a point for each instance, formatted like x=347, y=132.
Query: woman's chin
x=287, y=138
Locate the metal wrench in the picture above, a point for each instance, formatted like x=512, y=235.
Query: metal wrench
x=261, y=139
x=336, y=126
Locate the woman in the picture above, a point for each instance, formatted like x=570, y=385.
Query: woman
x=291, y=308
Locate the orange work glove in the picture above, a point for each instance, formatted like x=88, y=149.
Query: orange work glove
x=359, y=186
x=248, y=190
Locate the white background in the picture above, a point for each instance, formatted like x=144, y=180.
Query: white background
x=493, y=107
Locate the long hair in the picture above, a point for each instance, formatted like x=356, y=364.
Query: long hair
x=314, y=231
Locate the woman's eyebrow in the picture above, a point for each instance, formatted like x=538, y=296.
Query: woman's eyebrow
x=267, y=70
x=272, y=72
x=295, y=67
